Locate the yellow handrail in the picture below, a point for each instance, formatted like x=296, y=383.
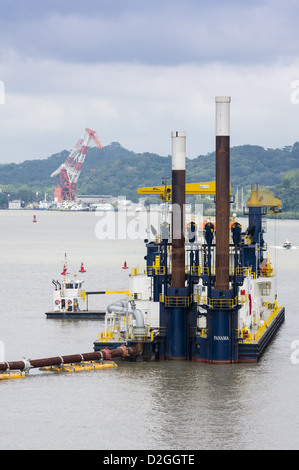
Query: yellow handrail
x=216, y=303
x=205, y=271
x=137, y=271
x=266, y=273
x=149, y=270
x=196, y=270
x=175, y=301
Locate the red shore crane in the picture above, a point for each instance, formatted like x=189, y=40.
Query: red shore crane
x=70, y=170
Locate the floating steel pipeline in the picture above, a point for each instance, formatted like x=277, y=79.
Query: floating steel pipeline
x=105, y=354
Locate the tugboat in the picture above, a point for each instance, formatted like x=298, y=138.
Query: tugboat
x=287, y=244
x=70, y=300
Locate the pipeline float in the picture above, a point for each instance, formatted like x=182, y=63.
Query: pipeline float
x=70, y=363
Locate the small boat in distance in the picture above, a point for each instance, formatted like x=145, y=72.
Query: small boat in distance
x=287, y=244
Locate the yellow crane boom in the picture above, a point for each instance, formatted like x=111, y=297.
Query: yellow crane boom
x=165, y=192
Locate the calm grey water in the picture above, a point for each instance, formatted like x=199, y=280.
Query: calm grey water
x=151, y=406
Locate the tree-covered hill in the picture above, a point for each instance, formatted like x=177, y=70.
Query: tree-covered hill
x=117, y=171
x=249, y=164
x=288, y=191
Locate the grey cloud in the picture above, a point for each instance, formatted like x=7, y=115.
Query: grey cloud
x=157, y=33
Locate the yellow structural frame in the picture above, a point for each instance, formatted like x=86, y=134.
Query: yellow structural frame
x=165, y=192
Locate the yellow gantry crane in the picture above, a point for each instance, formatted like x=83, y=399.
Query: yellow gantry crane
x=165, y=192
x=259, y=196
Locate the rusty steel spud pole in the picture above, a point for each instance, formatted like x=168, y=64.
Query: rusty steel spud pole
x=222, y=191
x=178, y=208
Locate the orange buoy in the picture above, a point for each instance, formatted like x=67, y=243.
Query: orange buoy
x=125, y=266
x=82, y=270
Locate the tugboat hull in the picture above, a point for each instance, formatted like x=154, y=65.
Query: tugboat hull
x=78, y=315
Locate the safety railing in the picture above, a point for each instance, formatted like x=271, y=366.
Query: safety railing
x=114, y=334
x=241, y=271
x=268, y=272
x=196, y=271
x=150, y=271
x=205, y=271
x=137, y=271
x=148, y=336
x=175, y=300
x=216, y=303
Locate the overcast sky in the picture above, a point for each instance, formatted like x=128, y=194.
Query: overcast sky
x=136, y=70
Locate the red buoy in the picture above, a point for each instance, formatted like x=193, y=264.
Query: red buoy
x=125, y=265
x=34, y=218
x=64, y=271
x=82, y=270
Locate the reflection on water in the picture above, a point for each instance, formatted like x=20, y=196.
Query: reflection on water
x=165, y=405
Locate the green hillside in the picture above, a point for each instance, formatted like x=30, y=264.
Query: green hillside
x=288, y=191
x=118, y=171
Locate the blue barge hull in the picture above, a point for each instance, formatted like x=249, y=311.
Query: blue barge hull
x=247, y=352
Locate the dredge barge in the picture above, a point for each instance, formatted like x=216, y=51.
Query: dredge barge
x=207, y=300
